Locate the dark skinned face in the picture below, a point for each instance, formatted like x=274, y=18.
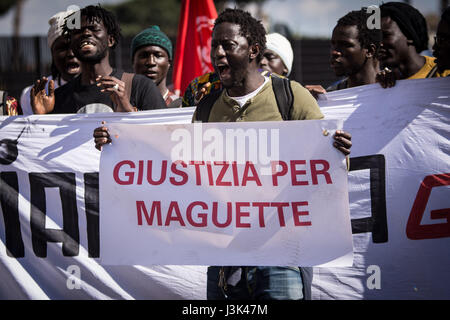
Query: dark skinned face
x=91, y=42
x=394, y=46
x=152, y=62
x=64, y=59
x=441, y=48
x=273, y=63
x=230, y=55
x=346, y=56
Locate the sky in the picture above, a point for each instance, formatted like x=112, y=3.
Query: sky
x=312, y=18
x=318, y=17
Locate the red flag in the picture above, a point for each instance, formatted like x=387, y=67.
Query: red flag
x=192, y=55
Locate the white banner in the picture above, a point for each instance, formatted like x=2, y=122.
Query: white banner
x=49, y=192
x=398, y=191
x=224, y=194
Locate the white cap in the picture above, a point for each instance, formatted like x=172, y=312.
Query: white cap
x=282, y=47
x=56, y=23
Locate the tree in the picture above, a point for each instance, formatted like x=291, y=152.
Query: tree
x=136, y=15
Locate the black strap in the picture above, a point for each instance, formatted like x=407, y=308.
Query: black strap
x=128, y=79
x=432, y=72
x=283, y=96
x=205, y=105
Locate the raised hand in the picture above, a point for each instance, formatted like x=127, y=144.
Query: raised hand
x=41, y=102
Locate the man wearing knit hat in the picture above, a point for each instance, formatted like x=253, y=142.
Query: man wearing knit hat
x=405, y=36
x=65, y=66
x=151, y=54
x=278, y=56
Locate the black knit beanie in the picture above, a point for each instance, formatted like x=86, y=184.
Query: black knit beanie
x=410, y=21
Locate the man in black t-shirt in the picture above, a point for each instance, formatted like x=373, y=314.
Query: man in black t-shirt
x=97, y=34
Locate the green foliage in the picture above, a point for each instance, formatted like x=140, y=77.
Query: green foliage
x=136, y=15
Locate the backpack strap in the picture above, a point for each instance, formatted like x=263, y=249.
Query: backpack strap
x=283, y=96
x=205, y=106
x=128, y=79
x=432, y=72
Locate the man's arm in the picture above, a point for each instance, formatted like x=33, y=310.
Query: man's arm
x=306, y=108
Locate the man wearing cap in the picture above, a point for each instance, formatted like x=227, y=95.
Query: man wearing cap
x=405, y=36
x=151, y=54
x=65, y=66
x=98, y=84
x=278, y=56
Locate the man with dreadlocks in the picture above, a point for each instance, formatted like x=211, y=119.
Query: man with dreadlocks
x=405, y=36
x=98, y=83
x=354, y=52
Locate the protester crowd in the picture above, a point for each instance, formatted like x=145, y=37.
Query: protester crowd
x=251, y=70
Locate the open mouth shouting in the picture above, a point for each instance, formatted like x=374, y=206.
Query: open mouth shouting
x=223, y=70
x=72, y=67
x=86, y=45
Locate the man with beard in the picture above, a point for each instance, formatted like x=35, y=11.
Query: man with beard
x=238, y=42
x=64, y=64
x=405, y=36
x=354, y=52
x=237, y=46
x=98, y=82
x=277, y=58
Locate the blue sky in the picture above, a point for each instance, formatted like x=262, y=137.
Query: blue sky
x=305, y=17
